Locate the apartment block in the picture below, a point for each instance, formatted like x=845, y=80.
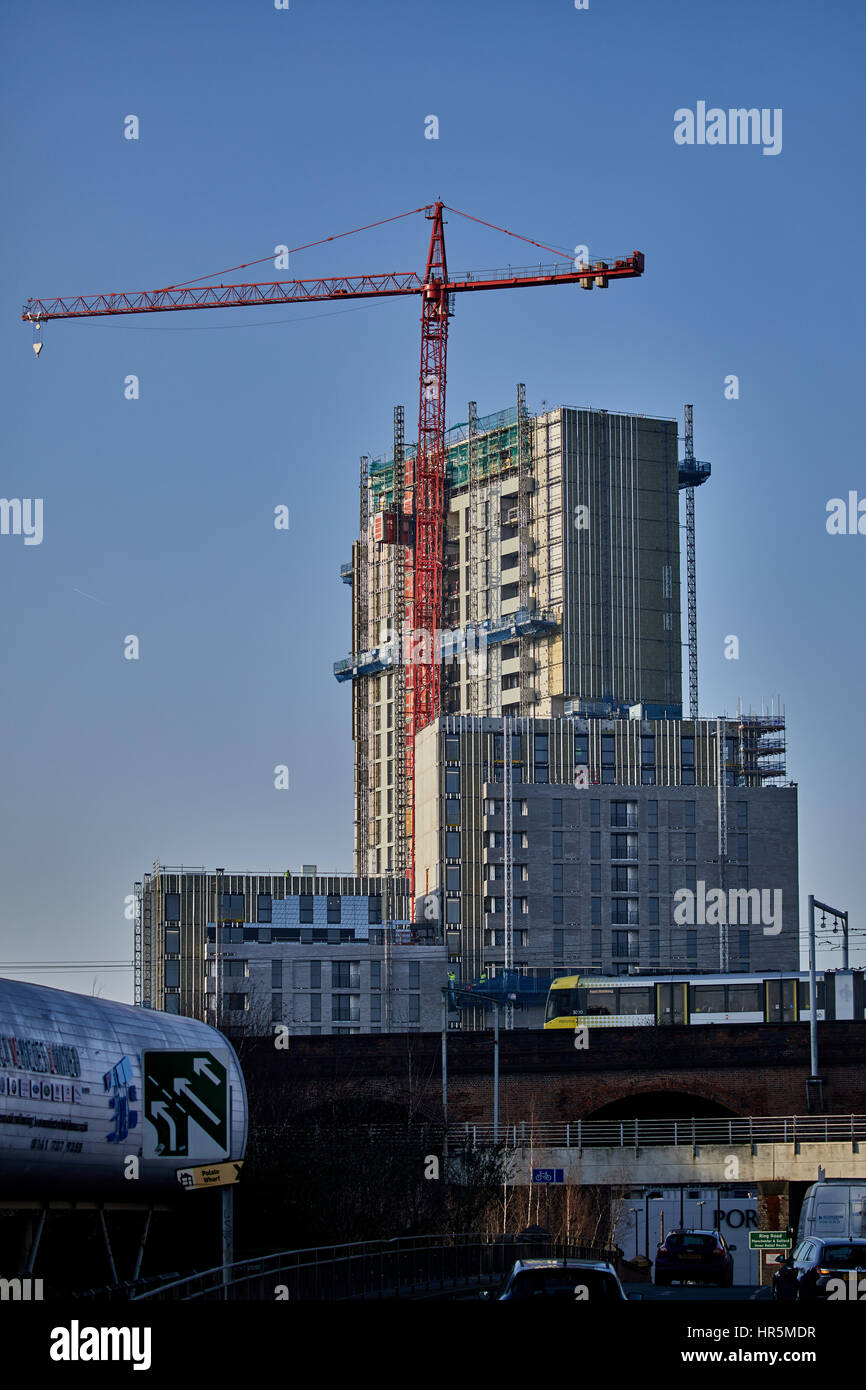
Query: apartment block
x=561, y=581
x=620, y=829
x=320, y=953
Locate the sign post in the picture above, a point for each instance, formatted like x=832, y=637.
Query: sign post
x=769, y=1240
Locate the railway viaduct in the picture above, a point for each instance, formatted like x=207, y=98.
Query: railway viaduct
x=623, y=1073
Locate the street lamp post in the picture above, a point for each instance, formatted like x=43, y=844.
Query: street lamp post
x=814, y=1086
x=634, y=1212
x=497, y=1005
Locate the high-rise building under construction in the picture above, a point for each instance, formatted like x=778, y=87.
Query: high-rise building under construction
x=561, y=583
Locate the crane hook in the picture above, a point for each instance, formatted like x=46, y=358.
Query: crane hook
x=38, y=344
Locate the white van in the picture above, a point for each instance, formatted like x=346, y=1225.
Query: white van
x=834, y=1208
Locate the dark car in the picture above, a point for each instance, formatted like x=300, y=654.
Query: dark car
x=591, y=1281
x=702, y=1257
x=807, y=1271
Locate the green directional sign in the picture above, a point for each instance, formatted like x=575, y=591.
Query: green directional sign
x=186, y=1104
x=769, y=1240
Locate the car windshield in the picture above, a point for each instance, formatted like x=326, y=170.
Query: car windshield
x=686, y=1242
x=565, y=1283
x=843, y=1257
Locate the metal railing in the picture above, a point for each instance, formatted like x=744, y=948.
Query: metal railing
x=591, y=1134
x=596, y=1134
x=402, y=1267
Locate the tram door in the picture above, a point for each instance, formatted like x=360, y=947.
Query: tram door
x=781, y=1001
x=671, y=1003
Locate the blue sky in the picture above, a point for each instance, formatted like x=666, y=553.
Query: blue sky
x=261, y=127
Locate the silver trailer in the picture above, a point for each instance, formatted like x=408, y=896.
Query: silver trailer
x=104, y=1096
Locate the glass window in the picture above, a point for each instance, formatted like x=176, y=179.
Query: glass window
x=692, y=945
x=581, y=750
x=172, y=974
x=375, y=974
x=652, y=844
x=305, y=907
x=688, y=777
x=452, y=878
x=608, y=750
x=557, y=844
x=596, y=944
x=452, y=781
x=172, y=907
x=452, y=911
x=557, y=910
x=595, y=812
x=334, y=908
x=541, y=748
x=556, y=811
x=742, y=847
x=595, y=908
x=647, y=777
x=653, y=913
x=595, y=878
x=708, y=999
x=452, y=810
x=315, y=974
x=742, y=815
x=263, y=907
x=276, y=974
x=452, y=844
x=688, y=813
x=374, y=910
x=652, y=813
x=376, y=1009
x=744, y=945
x=687, y=746
x=654, y=945
x=623, y=846
x=414, y=974
x=557, y=878
x=315, y=1008
x=558, y=944
x=231, y=907
x=601, y=1002
x=172, y=941
x=623, y=813
x=653, y=878
x=636, y=1001
x=623, y=910
x=345, y=1007
x=595, y=844
x=745, y=999
x=452, y=748
x=414, y=1008
x=172, y=1003
x=276, y=1008
x=690, y=846
x=345, y=974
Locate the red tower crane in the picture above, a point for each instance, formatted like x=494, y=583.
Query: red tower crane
x=424, y=500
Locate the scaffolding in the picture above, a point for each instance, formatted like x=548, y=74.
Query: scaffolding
x=525, y=484
x=361, y=594
x=398, y=624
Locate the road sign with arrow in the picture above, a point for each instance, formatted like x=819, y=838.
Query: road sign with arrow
x=186, y=1104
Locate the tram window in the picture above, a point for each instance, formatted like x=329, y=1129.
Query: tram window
x=745, y=999
x=561, y=1003
x=708, y=999
x=803, y=993
x=601, y=1001
x=635, y=1001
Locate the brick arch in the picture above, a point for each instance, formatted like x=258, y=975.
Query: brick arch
x=647, y=1100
